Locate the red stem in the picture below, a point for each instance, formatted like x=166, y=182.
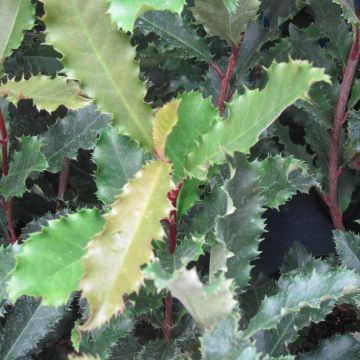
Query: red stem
x=340, y=118
x=63, y=182
x=225, y=83
x=11, y=236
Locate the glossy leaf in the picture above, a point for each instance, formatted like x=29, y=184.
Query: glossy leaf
x=218, y=20
x=85, y=34
x=117, y=159
x=189, y=195
x=26, y=162
x=132, y=223
x=124, y=12
x=7, y=263
x=49, y=262
x=16, y=16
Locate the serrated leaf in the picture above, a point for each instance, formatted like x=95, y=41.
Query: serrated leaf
x=78, y=130
x=296, y=257
x=219, y=21
x=47, y=94
x=348, y=249
x=354, y=132
x=7, y=263
x=158, y=349
x=223, y=342
x=49, y=262
x=189, y=195
x=117, y=159
x=27, y=328
x=306, y=289
x=132, y=223
x=124, y=12
x=86, y=36
x=172, y=30
x=164, y=121
x=246, y=121
x=207, y=304
x=196, y=116
x=339, y=347
x=349, y=10
x=16, y=16
x=25, y=163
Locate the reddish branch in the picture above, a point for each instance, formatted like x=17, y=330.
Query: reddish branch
x=340, y=118
x=6, y=205
x=63, y=182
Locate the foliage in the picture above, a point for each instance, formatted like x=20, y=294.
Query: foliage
x=144, y=146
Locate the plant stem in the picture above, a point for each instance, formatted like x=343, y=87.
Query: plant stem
x=63, y=182
x=340, y=118
x=11, y=236
x=225, y=81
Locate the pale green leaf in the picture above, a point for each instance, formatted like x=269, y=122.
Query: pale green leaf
x=46, y=93
x=7, y=263
x=172, y=31
x=228, y=25
x=117, y=159
x=302, y=290
x=49, y=262
x=124, y=12
x=348, y=249
x=25, y=163
x=131, y=224
x=159, y=349
x=16, y=16
x=247, y=119
x=78, y=130
x=296, y=257
x=348, y=10
x=102, y=59
x=84, y=357
x=354, y=132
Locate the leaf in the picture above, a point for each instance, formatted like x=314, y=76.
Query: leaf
x=117, y=159
x=49, y=262
x=296, y=257
x=47, y=94
x=306, y=289
x=159, y=349
x=219, y=21
x=247, y=120
x=207, y=304
x=348, y=10
x=354, y=131
x=124, y=12
x=223, y=342
x=339, y=347
x=132, y=223
x=84, y=33
x=26, y=162
x=101, y=341
x=189, y=195
x=16, y=16
x=196, y=116
x=355, y=94
x=7, y=263
x=175, y=34
x=231, y=5
x=27, y=328
x=84, y=357
x=78, y=130
x=164, y=121
x=348, y=249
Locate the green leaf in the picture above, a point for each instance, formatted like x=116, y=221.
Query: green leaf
x=296, y=257
x=223, y=342
x=101, y=341
x=7, y=263
x=27, y=328
x=196, y=116
x=354, y=132
x=348, y=249
x=26, y=162
x=84, y=33
x=348, y=10
x=302, y=290
x=231, y=5
x=16, y=16
x=132, y=224
x=117, y=159
x=219, y=21
x=339, y=347
x=189, y=195
x=84, y=357
x=47, y=94
x=78, y=130
x=49, y=262
x=355, y=94
x=159, y=349
x=124, y=12
x=207, y=304
x=247, y=120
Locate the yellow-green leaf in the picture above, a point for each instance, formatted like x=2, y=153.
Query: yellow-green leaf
x=164, y=121
x=115, y=256
x=47, y=94
x=102, y=59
